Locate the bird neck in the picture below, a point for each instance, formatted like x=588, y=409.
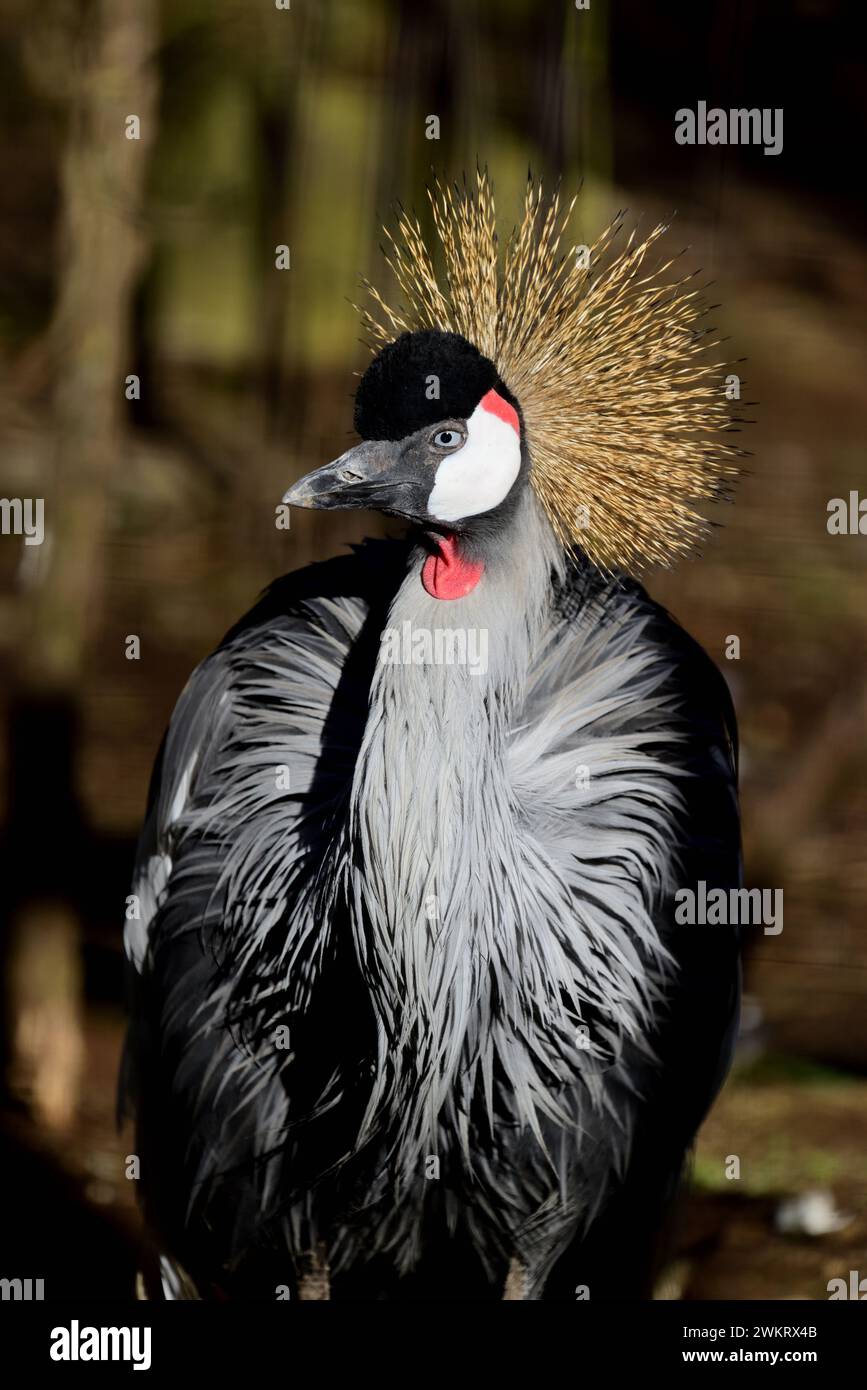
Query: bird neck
x=432, y=815
x=463, y=626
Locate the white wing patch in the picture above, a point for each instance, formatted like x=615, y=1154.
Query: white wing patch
x=149, y=885
x=153, y=875
x=181, y=796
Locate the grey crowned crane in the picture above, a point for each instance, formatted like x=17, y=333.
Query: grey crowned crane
x=412, y=1017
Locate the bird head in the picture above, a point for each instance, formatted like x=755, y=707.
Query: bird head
x=622, y=424
x=441, y=439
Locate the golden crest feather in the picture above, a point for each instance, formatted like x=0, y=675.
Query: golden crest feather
x=623, y=408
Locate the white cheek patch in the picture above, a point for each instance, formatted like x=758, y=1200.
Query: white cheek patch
x=479, y=475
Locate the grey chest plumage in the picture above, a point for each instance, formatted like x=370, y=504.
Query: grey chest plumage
x=418, y=906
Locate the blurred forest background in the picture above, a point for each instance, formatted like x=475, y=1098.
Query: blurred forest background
x=155, y=257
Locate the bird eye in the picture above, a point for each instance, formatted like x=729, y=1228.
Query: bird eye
x=448, y=439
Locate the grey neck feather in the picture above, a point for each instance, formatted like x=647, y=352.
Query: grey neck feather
x=455, y=904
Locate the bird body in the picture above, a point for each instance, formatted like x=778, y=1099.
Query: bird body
x=410, y=1004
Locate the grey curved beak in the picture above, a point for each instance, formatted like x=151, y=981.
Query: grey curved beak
x=366, y=476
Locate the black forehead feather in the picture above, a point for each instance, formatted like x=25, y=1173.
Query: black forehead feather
x=395, y=396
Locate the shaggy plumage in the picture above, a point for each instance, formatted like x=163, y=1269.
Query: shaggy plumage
x=460, y=909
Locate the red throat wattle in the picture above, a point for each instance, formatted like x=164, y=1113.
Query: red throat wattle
x=446, y=575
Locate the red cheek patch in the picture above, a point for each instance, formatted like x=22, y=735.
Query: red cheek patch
x=495, y=404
